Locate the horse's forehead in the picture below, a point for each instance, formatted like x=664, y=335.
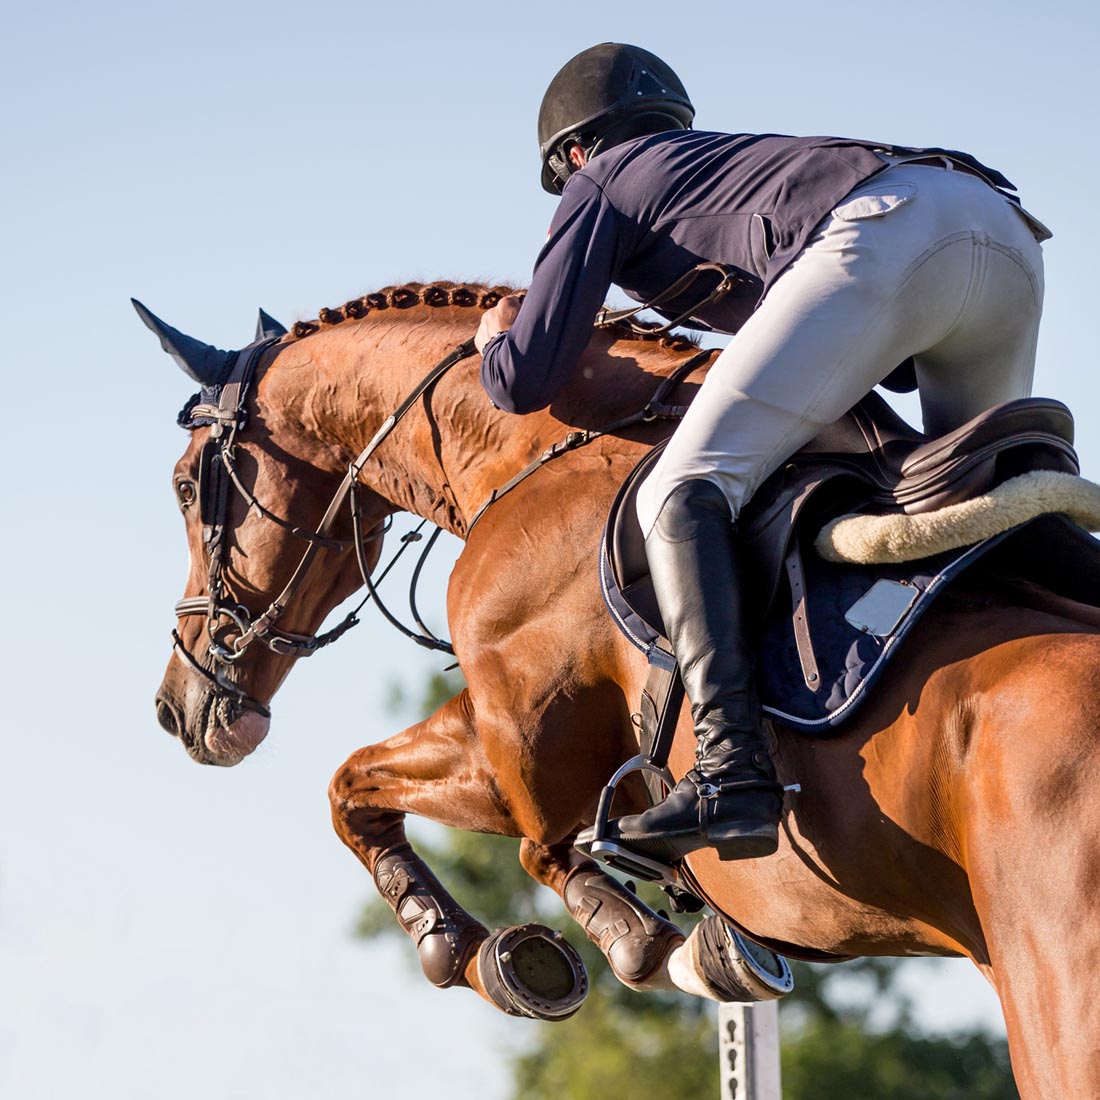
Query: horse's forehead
x=188, y=461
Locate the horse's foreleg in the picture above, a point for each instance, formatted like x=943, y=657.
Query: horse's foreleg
x=435, y=769
x=634, y=939
x=364, y=794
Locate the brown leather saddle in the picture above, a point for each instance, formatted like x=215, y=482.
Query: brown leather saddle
x=869, y=460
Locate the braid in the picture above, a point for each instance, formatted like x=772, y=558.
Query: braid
x=464, y=296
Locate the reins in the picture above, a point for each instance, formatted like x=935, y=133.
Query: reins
x=728, y=279
x=654, y=409
x=217, y=472
x=262, y=629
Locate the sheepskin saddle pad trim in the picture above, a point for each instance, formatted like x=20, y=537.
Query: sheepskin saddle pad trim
x=892, y=539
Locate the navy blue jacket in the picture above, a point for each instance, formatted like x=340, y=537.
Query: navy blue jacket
x=642, y=214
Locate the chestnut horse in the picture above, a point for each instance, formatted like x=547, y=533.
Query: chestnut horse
x=957, y=814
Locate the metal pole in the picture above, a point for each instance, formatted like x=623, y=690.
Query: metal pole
x=748, y=1051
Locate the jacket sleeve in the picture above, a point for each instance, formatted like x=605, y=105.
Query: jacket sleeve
x=524, y=369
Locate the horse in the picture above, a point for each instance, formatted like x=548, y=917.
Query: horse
x=956, y=814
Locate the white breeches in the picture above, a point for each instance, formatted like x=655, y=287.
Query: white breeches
x=918, y=261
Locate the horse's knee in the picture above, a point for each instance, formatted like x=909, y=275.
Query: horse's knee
x=344, y=790
x=547, y=863
x=357, y=817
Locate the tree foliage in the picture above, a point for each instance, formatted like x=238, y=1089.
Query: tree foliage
x=843, y=1060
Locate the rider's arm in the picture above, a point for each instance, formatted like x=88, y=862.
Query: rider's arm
x=523, y=369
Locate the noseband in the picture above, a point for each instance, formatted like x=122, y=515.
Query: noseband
x=217, y=474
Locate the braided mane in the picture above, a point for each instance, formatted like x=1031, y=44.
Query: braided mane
x=465, y=295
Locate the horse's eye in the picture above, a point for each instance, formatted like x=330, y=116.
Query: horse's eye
x=185, y=490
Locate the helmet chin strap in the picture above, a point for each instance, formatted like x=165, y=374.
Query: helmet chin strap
x=633, y=125
x=561, y=164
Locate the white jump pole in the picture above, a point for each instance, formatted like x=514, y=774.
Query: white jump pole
x=748, y=1051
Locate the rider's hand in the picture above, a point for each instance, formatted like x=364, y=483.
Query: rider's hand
x=498, y=319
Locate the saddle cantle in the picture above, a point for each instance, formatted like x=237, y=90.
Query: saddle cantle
x=825, y=634
x=910, y=472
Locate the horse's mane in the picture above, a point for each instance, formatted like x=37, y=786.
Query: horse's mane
x=463, y=295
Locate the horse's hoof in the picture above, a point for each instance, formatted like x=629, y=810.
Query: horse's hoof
x=719, y=963
x=532, y=971
x=766, y=974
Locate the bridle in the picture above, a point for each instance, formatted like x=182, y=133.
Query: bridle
x=218, y=474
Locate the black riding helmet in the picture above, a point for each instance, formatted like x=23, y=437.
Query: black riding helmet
x=603, y=96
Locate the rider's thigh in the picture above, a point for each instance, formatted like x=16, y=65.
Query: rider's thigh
x=988, y=357
x=832, y=327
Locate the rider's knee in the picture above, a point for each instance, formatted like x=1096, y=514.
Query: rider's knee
x=680, y=507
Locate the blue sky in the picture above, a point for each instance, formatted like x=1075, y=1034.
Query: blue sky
x=167, y=930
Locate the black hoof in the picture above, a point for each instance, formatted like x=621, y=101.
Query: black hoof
x=736, y=969
x=532, y=971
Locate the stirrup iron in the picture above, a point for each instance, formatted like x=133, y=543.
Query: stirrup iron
x=593, y=842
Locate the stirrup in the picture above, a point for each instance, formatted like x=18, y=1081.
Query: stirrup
x=593, y=842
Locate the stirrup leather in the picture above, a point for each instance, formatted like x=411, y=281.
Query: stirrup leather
x=662, y=699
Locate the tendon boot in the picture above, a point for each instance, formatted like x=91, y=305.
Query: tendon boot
x=731, y=800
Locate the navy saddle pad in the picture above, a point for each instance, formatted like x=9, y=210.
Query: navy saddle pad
x=856, y=617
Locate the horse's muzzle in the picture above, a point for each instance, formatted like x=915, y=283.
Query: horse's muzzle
x=215, y=730
x=168, y=717
x=230, y=744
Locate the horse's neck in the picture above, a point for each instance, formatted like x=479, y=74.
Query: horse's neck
x=328, y=393
x=453, y=448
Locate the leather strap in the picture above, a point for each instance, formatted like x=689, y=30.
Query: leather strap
x=262, y=625
x=796, y=578
x=655, y=409
x=729, y=278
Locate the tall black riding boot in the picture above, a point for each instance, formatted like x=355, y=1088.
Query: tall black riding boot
x=730, y=800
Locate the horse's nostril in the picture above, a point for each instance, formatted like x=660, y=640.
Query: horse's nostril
x=166, y=716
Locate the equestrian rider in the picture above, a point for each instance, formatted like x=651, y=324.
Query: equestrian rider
x=853, y=256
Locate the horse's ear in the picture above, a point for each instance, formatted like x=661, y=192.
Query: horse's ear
x=202, y=362
x=267, y=327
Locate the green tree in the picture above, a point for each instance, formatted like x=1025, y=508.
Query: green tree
x=848, y=1030
x=862, y=1041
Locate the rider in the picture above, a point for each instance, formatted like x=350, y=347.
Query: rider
x=853, y=257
